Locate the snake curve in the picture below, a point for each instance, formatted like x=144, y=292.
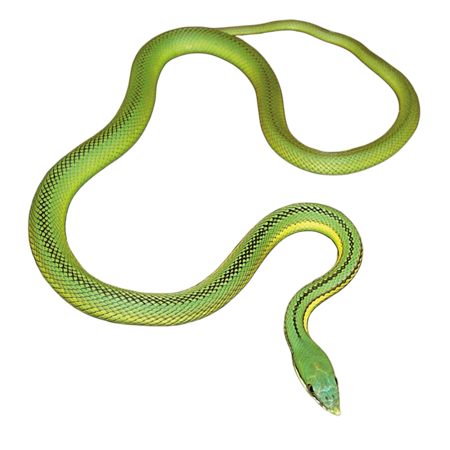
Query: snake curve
x=47, y=233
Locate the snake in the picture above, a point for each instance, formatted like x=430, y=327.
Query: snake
x=59, y=266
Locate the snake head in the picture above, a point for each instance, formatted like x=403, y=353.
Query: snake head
x=317, y=376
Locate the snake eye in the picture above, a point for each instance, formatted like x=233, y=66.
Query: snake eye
x=335, y=379
x=310, y=389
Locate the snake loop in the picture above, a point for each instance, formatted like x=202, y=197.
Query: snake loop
x=51, y=202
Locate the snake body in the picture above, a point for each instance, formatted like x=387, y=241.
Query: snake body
x=49, y=208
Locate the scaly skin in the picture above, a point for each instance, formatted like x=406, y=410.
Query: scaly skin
x=65, y=274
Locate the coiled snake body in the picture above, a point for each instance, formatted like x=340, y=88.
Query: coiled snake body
x=51, y=202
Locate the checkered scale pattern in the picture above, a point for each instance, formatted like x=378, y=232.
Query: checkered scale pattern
x=51, y=202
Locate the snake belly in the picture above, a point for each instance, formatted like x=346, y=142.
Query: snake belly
x=49, y=208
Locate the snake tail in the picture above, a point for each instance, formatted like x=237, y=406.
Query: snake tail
x=49, y=205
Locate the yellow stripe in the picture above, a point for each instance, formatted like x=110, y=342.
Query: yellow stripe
x=327, y=231
x=313, y=226
x=312, y=306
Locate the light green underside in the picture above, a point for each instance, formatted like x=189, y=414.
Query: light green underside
x=51, y=202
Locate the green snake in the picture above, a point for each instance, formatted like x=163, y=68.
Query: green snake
x=49, y=208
